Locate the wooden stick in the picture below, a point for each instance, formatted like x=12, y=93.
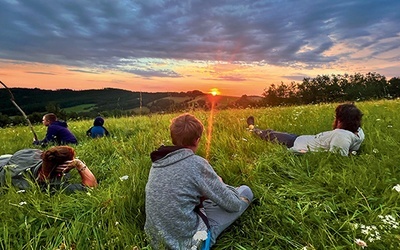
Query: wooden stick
x=20, y=110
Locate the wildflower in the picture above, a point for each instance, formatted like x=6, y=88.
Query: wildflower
x=22, y=203
x=116, y=223
x=397, y=188
x=244, y=139
x=390, y=126
x=375, y=151
x=389, y=220
x=378, y=119
x=21, y=191
x=200, y=235
x=361, y=243
x=124, y=178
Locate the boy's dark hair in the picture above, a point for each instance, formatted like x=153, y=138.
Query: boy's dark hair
x=185, y=130
x=50, y=117
x=349, y=117
x=99, y=121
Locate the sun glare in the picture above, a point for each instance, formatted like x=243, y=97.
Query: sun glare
x=214, y=92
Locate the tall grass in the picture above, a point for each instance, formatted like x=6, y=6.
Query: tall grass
x=313, y=201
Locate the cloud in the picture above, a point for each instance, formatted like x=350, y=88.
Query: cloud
x=102, y=34
x=39, y=73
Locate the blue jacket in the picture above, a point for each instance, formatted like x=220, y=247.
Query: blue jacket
x=59, y=134
x=97, y=131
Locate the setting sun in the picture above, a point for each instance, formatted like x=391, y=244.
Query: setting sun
x=214, y=92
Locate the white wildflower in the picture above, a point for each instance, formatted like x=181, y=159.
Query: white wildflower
x=361, y=243
x=124, y=178
x=397, y=188
x=244, y=139
x=22, y=203
x=378, y=119
x=200, y=235
x=375, y=151
x=116, y=223
x=21, y=191
x=390, y=126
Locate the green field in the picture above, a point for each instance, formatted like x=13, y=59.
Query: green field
x=80, y=108
x=313, y=201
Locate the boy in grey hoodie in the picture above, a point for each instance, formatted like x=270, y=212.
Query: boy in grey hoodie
x=185, y=198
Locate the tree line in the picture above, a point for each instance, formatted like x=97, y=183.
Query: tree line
x=333, y=88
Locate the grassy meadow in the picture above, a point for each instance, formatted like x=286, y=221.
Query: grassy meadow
x=313, y=201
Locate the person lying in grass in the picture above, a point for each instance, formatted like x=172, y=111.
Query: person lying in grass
x=187, y=204
x=48, y=168
x=345, y=137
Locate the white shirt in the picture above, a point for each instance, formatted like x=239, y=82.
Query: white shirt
x=338, y=140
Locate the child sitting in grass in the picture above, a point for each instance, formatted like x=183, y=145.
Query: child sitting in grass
x=345, y=137
x=98, y=130
x=185, y=198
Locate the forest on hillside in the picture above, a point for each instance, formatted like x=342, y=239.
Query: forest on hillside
x=117, y=102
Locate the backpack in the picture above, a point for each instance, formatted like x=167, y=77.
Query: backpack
x=20, y=167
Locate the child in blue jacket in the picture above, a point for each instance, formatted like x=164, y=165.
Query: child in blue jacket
x=98, y=130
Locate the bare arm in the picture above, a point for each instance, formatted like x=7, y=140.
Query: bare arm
x=87, y=177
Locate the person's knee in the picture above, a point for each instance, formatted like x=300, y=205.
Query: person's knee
x=246, y=192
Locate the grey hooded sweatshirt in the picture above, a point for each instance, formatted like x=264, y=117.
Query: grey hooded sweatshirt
x=178, y=181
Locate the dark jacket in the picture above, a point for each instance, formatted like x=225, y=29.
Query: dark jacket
x=59, y=134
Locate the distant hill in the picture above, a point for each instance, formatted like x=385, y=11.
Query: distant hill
x=101, y=100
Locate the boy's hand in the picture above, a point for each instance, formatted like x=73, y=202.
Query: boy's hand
x=68, y=165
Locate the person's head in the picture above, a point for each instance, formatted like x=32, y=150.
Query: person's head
x=186, y=131
x=99, y=121
x=52, y=158
x=348, y=117
x=49, y=119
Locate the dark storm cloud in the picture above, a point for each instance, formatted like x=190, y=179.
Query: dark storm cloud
x=101, y=33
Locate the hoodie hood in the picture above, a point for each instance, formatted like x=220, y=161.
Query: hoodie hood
x=98, y=121
x=59, y=123
x=167, y=155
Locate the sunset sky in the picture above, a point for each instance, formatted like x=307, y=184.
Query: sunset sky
x=236, y=46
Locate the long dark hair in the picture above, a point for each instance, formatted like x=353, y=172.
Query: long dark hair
x=349, y=117
x=52, y=158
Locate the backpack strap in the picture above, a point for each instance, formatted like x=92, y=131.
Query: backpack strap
x=207, y=243
x=202, y=216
